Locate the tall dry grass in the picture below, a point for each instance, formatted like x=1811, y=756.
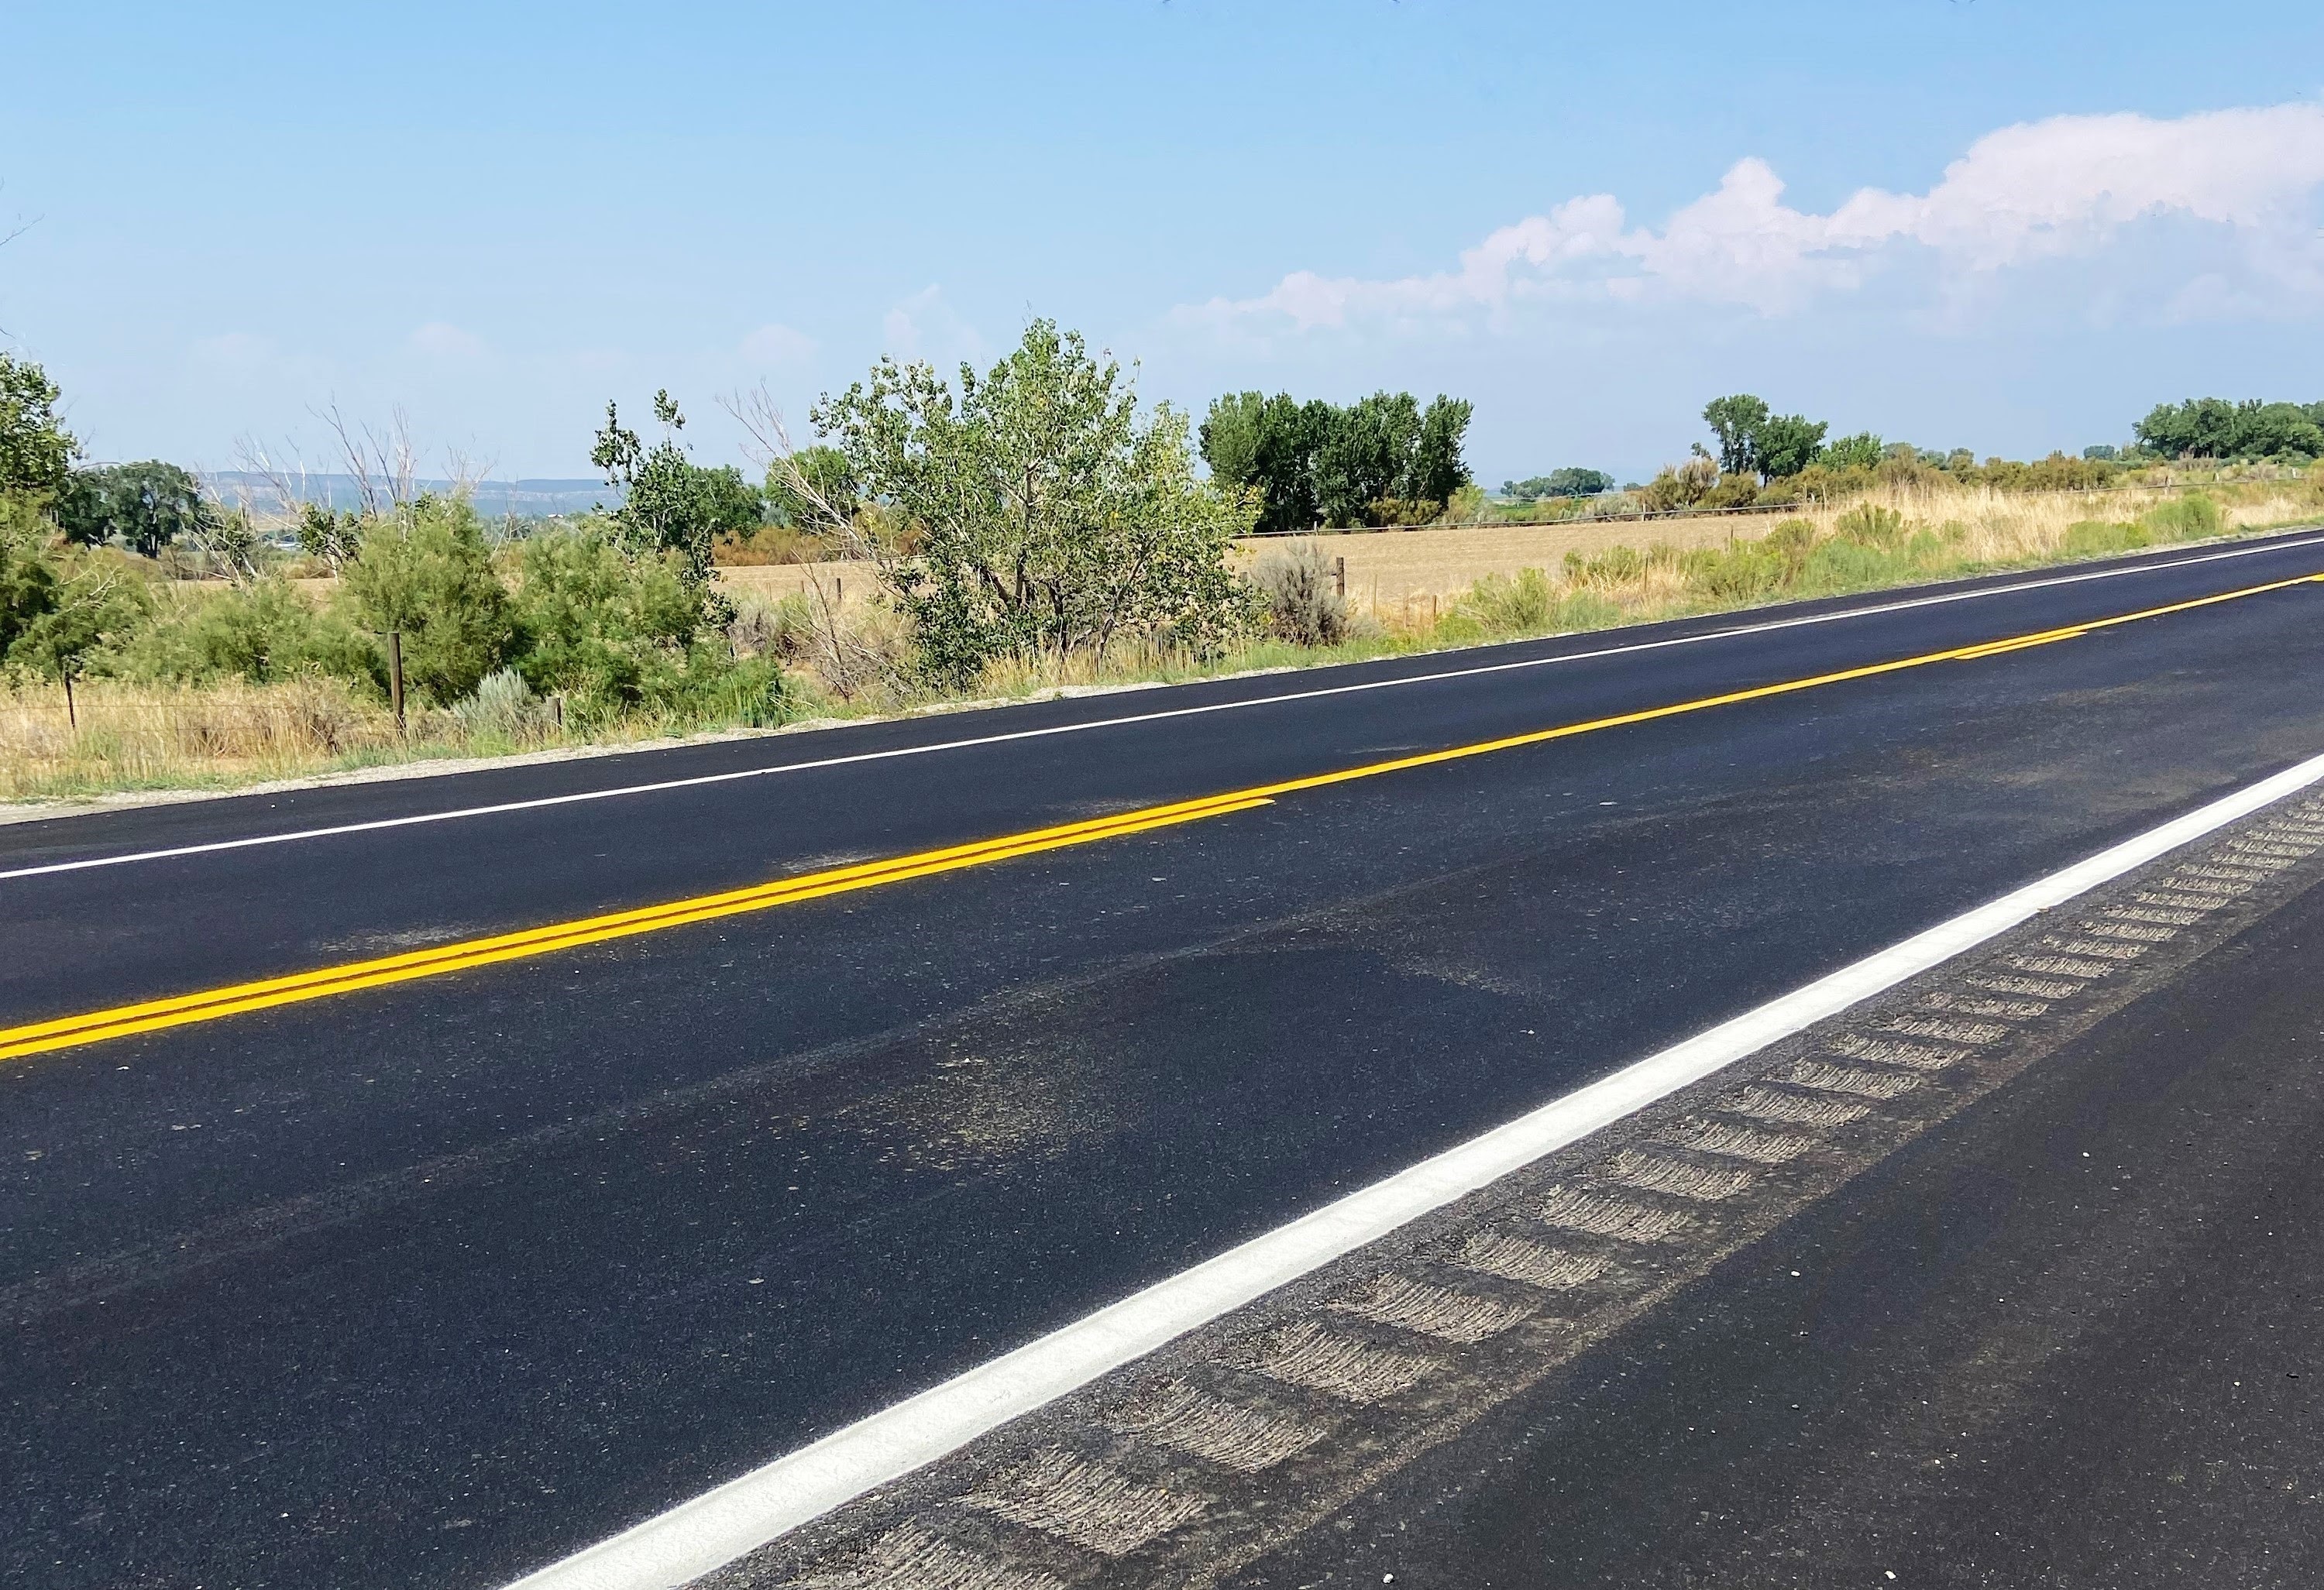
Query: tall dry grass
x=168, y=736
x=135, y=736
x=2007, y=528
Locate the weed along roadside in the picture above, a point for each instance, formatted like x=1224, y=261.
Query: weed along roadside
x=155, y=638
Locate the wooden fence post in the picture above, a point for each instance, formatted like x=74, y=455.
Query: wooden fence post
x=395, y=676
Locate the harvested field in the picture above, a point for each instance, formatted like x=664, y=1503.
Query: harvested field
x=1394, y=572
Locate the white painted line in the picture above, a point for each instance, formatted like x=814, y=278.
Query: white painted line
x=700, y=780
x=716, y=1528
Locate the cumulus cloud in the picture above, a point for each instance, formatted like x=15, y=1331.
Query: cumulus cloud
x=778, y=345
x=925, y=325
x=2074, y=187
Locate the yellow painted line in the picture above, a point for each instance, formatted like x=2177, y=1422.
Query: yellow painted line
x=213, y=1004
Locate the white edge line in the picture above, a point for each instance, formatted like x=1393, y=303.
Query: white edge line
x=715, y=1529
x=543, y=802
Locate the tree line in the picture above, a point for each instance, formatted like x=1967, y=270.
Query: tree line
x=1381, y=460
x=2215, y=428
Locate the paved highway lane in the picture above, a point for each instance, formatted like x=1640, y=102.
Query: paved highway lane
x=433, y=1282
x=2068, y=1337
x=116, y=935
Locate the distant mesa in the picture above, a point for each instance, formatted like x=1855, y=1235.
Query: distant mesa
x=522, y=499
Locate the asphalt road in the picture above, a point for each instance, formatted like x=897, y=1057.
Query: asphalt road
x=433, y=1283
x=2071, y=1338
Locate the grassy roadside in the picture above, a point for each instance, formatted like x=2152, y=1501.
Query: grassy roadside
x=143, y=738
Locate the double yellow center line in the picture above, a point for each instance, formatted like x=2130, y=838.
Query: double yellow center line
x=213, y=1004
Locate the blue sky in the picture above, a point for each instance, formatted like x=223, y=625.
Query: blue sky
x=1588, y=219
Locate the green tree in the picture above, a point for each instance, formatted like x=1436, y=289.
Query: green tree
x=334, y=535
x=1048, y=517
x=734, y=504
x=1786, y=444
x=1863, y=450
x=2214, y=427
x=1568, y=482
x=2277, y=430
x=1434, y=469
x=670, y=503
x=58, y=605
x=143, y=506
x=1734, y=421
x=1365, y=455
x=823, y=469
x=28, y=580
x=431, y=578
x=1269, y=445
x=36, y=451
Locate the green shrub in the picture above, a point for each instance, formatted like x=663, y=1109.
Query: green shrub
x=1845, y=565
x=1615, y=566
x=1503, y=606
x=607, y=625
x=1457, y=629
x=1866, y=525
x=1744, y=573
x=1791, y=541
x=262, y=632
x=2096, y=538
x=714, y=686
x=2182, y=519
x=60, y=606
x=430, y=577
x=1586, y=610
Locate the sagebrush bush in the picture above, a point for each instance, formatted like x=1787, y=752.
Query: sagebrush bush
x=1301, y=604
x=504, y=708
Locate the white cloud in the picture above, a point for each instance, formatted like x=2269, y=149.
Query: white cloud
x=2071, y=187
x=777, y=346
x=927, y=326
x=441, y=340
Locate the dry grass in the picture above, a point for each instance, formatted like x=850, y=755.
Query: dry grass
x=154, y=736
x=151, y=737
x=2003, y=527
x=1401, y=575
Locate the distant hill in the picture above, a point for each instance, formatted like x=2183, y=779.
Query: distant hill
x=525, y=499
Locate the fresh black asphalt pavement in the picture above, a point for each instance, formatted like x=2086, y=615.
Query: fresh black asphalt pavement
x=435, y=1283
x=2074, y=1337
